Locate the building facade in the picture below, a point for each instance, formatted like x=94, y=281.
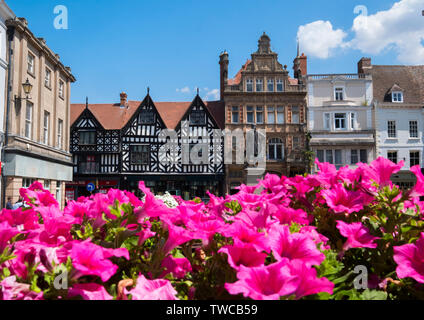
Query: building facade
x=263, y=96
x=340, y=118
x=5, y=14
x=37, y=122
x=399, y=115
x=118, y=145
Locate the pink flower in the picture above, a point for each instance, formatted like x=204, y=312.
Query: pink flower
x=248, y=235
x=265, y=282
x=6, y=233
x=91, y=259
x=418, y=189
x=89, y=291
x=25, y=219
x=177, y=266
x=242, y=254
x=410, y=260
x=357, y=235
x=287, y=215
x=294, y=246
x=152, y=207
x=40, y=196
x=341, y=200
x=12, y=290
x=152, y=290
x=309, y=283
x=176, y=236
x=380, y=170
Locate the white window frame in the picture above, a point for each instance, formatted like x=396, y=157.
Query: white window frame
x=59, y=133
x=395, y=129
x=250, y=110
x=31, y=63
x=353, y=122
x=28, y=121
x=396, y=95
x=338, y=89
x=346, y=119
x=46, y=127
x=281, y=111
x=61, y=88
x=268, y=82
x=249, y=82
x=416, y=132
x=259, y=82
x=280, y=82
x=419, y=158
x=270, y=110
x=48, y=78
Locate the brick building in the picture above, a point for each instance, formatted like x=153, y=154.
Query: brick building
x=262, y=95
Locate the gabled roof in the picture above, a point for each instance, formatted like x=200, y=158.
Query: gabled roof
x=395, y=88
x=409, y=78
x=113, y=117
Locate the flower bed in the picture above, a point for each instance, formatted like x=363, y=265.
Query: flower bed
x=338, y=234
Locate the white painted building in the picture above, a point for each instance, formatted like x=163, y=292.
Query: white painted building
x=5, y=14
x=340, y=118
x=399, y=115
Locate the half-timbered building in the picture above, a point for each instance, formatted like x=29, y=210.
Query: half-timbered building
x=118, y=145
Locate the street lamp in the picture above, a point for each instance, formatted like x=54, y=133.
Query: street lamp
x=27, y=86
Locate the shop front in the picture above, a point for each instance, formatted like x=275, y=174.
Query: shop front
x=80, y=187
x=186, y=186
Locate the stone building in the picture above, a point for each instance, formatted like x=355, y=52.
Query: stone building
x=340, y=118
x=262, y=95
x=5, y=14
x=37, y=115
x=399, y=115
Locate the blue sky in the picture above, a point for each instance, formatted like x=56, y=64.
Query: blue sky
x=127, y=45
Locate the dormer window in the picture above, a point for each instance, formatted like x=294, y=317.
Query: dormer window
x=197, y=117
x=397, y=96
x=338, y=94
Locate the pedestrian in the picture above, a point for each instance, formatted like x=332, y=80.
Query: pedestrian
x=9, y=205
x=18, y=204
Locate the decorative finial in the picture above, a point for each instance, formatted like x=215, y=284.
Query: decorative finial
x=86, y=102
x=148, y=90
x=197, y=91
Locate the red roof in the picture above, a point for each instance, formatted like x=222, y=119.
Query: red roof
x=237, y=78
x=113, y=117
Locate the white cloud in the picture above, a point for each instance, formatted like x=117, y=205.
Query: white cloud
x=319, y=38
x=212, y=94
x=184, y=90
x=400, y=28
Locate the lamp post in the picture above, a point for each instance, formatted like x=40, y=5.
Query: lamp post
x=27, y=86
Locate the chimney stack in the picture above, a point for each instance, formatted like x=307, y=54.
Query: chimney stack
x=123, y=99
x=223, y=72
x=300, y=66
x=364, y=66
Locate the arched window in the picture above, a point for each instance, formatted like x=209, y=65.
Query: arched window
x=275, y=149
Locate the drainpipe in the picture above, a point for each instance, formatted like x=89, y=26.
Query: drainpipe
x=10, y=34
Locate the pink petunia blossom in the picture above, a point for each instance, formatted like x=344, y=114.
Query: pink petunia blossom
x=39, y=195
x=418, y=189
x=91, y=259
x=264, y=282
x=248, y=235
x=309, y=283
x=380, y=170
x=177, y=266
x=341, y=200
x=159, y=289
x=89, y=291
x=152, y=207
x=357, y=235
x=176, y=236
x=22, y=219
x=296, y=246
x=6, y=233
x=243, y=254
x=410, y=260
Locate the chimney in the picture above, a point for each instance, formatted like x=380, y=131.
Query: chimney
x=300, y=66
x=364, y=66
x=223, y=72
x=123, y=96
